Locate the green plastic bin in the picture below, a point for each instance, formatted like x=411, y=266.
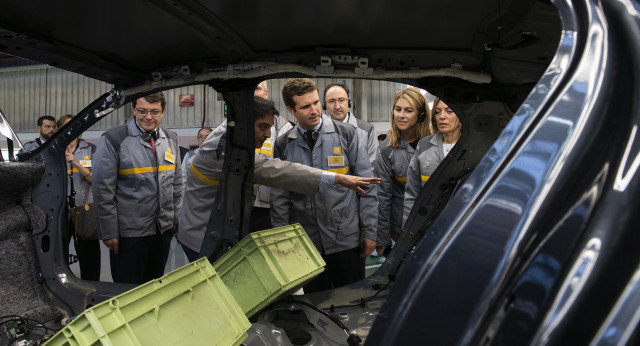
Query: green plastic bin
x=268, y=264
x=188, y=306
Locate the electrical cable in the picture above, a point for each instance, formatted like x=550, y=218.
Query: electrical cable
x=332, y=318
x=15, y=318
x=362, y=302
x=353, y=339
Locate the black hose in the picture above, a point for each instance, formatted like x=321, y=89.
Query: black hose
x=362, y=300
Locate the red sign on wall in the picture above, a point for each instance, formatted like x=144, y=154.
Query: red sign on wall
x=187, y=100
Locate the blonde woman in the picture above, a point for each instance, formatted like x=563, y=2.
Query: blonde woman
x=409, y=122
x=431, y=151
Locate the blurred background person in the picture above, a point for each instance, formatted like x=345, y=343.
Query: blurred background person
x=409, y=123
x=46, y=128
x=188, y=157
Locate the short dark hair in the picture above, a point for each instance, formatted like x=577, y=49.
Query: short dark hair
x=264, y=108
x=343, y=86
x=45, y=117
x=297, y=87
x=153, y=98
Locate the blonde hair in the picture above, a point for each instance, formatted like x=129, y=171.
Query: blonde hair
x=422, y=129
x=60, y=122
x=63, y=118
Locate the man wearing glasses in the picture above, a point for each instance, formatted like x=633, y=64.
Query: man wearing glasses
x=188, y=157
x=337, y=103
x=137, y=189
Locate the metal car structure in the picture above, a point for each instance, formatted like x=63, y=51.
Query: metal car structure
x=525, y=234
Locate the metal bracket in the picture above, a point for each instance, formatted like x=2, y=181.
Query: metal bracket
x=363, y=68
x=325, y=65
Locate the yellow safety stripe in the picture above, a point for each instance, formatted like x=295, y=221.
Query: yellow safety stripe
x=255, y=185
x=146, y=169
x=424, y=177
x=264, y=151
x=401, y=179
x=343, y=170
x=202, y=176
x=75, y=170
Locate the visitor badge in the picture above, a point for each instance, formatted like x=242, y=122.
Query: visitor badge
x=335, y=160
x=169, y=156
x=86, y=163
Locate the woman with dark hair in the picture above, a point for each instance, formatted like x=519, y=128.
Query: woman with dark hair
x=409, y=123
x=431, y=151
x=79, y=157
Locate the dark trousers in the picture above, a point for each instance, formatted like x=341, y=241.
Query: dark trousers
x=191, y=254
x=342, y=268
x=89, y=258
x=260, y=219
x=88, y=252
x=140, y=259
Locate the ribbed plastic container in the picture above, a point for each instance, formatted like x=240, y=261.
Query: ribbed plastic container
x=188, y=306
x=268, y=264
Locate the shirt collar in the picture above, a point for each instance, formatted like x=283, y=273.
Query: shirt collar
x=143, y=130
x=315, y=128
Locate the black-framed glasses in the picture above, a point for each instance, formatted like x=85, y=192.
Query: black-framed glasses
x=340, y=100
x=144, y=112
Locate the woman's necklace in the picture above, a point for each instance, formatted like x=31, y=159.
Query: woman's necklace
x=447, y=147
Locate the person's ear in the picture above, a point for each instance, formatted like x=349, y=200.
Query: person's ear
x=291, y=111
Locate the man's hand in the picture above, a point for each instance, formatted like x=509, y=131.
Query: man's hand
x=354, y=182
x=380, y=250
x=112, y=244
x=174, y=231
x=367, y=246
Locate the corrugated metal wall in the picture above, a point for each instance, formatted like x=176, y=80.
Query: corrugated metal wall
x=29, y=92
x=206, y=106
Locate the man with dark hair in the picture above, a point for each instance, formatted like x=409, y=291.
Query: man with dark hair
x=206, y=171
x=337, y=101
x=137, y=189
x=46, y=128
x=341, y=224
x=261, y=214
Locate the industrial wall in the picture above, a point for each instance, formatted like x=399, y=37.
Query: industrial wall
x=31, y=91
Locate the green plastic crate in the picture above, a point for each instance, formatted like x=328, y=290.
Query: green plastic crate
x=188, y=306
x=268, y=264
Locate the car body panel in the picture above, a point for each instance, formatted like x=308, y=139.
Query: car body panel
x=526, y=239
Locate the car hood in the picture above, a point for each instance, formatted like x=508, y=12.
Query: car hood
x=125, y=42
